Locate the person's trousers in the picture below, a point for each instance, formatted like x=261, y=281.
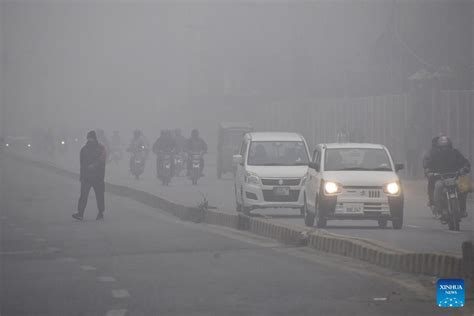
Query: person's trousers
x=99, y=189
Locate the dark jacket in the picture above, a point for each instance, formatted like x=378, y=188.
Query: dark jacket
x=196, y=145
x=92, y=158
x=447, y=161
x=164, y=144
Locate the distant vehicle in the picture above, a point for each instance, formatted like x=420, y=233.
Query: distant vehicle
x=229, y=138
x=195, y=172
x=353, y=181
x=18, y=142
x=165, y=171
x=271, y=171
x=137, y=162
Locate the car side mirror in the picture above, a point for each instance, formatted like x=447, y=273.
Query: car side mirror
x=237, y=159
x=399, y=166
x=314, y=165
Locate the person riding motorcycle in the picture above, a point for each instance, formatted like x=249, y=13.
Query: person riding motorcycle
x=164, y=144
x=426, y=161
x=180, y=141
x=446, y=159
x=137, y=145
x=193, y=145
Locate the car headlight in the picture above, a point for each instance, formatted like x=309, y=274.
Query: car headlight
x=7, y=145
x=392, y=188
x=331, y=187
x=252, y=179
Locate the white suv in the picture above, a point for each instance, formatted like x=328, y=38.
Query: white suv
x=353, y=181
x=271, y=171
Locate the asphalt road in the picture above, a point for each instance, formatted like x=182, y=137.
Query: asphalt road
x=421, y=232
x=140, y=261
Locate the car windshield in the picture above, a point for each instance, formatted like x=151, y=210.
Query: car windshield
x=268, y=153
x=358, y=159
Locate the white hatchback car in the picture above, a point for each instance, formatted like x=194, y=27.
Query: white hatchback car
x=353, y=181
x=271, y=171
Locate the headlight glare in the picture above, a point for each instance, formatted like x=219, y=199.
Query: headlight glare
x=331, y=187
x=392, y=188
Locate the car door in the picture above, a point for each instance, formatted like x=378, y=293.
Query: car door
x=311, y=188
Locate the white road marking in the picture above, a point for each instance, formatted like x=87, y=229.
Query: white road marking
x=53, y=249
x=412, y=226
x=106, y=279
x=380, y=299
x=40, y=239
x=452, y=232
x=68, y=259
x=120, y=293
x=116, y=312
x=88, y=268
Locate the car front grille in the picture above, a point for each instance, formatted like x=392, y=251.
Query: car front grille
x=277, y=182
x=268, y=196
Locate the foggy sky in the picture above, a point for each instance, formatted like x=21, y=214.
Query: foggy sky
x=153, y=65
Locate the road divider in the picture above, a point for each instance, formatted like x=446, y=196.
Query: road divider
x=434, y=264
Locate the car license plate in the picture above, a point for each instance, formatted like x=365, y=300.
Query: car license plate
x=354, y=208
x=281, y=191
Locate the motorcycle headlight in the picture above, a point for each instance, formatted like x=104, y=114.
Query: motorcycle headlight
x=332, y=187
x=63, y=142
x=7, y=145
x=29, y=145
x=252, y=179
x=392, y=188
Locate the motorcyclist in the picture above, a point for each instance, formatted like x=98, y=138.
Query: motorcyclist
x=426, y=161
x=180, y=141
x=193, y=145
x=446, y=159
x=137, y=145
x=164, y=144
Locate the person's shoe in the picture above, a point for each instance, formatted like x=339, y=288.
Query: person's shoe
x=100, y=217
x=77, y=216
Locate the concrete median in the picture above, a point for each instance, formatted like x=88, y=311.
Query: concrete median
x=435, y=264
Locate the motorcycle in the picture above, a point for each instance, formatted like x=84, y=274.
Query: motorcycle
x=137, y=163
x=115, y=156
x=179, y=164
x=449, y=210
x=195, y=172
x=165, y=170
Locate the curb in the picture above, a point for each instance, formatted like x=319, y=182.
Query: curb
x=433, y=264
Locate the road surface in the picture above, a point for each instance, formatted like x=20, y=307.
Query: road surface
x=141, y=261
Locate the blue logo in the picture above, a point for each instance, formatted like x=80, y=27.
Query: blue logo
x=450, y=292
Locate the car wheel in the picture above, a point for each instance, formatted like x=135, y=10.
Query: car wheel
x=321, y=221
x=397, y=223
x=308, y=216
x=382, y=223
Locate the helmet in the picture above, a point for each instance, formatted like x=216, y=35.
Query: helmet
x=195, y=133
x=444, y=142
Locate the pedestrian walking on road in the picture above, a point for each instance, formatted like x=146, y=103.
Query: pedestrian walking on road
x=92, y=160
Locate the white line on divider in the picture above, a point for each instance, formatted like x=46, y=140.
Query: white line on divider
x=382, y=299
x=452, y=232
x=412, y=226
x=121, y=293
x=88, y=268
x=116, y=312
x=106, y=279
